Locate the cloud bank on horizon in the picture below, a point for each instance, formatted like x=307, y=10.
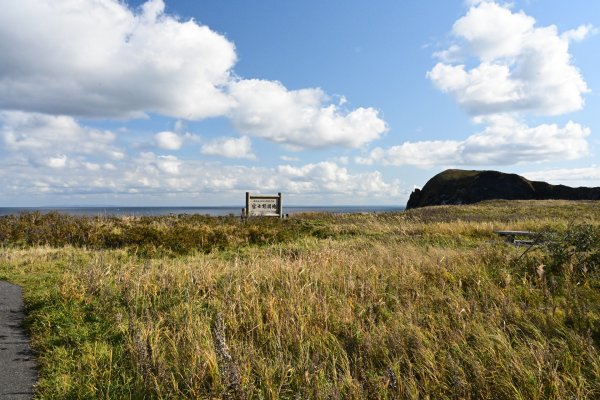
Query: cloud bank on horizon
x=58, y=69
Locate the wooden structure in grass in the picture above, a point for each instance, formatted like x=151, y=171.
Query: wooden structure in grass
x=263, y=206
x=527, y=238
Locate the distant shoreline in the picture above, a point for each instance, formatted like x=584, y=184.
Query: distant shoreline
x=212, y=211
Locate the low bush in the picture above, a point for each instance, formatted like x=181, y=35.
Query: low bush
x=150, y=236
x=565, y=268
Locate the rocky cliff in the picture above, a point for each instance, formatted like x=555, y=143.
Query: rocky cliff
x=455, y=186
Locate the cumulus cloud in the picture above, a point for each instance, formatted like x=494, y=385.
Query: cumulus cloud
x=168, y=164
x=504, y=141
x=452, y=54
x=519, y=64
x=149, y=166
x=168, y=140
x=101, y=59
x=54, y=155
x=421, y=154
x=586, y=176
x=229, y=147
x=300, y=118
x=580, y=33
x=148, y=174
x=329, y=177
x=509, y=142
x=39, y=135
x=57, y=162
x=44, y=154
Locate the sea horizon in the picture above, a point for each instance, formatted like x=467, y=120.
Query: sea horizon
x=200, y=210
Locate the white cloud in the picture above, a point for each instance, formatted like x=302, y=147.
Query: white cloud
x=152, y=166
x=101, y=59
x=586, y=176
x=148, y=174
x=57, y=162
x=168, y=140
x=91, y=166
x=421, y=154
x=329, y=177
x=452, y=54
x=344, y=160
x=492, y=31
x=580, y=33
x=300, y=118
x=520, y=69
x=504, y=141
x=510, y=142
x=169, y=164
x=40, y=135
x=520, y=64
x=229, y=147
x=44, y=155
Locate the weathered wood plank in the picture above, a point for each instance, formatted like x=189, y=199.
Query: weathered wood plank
x=516, y=233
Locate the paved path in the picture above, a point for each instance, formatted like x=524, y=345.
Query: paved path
x=18, y=370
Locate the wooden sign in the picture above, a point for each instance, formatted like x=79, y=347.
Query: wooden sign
x=263, y=206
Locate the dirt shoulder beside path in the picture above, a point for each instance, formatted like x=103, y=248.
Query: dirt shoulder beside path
x=18, y=369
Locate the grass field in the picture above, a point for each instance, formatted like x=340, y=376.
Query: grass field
x=424, y=304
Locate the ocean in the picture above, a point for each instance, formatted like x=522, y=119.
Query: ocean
x=213, y=211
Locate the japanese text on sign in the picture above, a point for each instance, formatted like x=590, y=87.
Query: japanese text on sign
x=263, y=205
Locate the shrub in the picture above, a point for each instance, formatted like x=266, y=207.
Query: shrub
x=576, y=250
x=174, y=234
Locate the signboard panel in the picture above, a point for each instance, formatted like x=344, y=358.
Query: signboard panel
x=266, y=206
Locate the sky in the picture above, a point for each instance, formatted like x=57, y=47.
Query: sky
x=338, y=102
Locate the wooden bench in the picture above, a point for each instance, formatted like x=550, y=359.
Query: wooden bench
x=520, y=238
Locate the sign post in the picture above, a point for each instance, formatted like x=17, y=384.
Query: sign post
x=263, y=206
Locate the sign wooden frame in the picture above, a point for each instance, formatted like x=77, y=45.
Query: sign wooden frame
x=263, y=206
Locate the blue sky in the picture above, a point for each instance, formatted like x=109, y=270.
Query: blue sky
x=330, y=102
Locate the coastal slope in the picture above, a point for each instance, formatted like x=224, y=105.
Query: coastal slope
x=456, y=186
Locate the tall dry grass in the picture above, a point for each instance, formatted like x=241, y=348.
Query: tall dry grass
x=373, y=306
